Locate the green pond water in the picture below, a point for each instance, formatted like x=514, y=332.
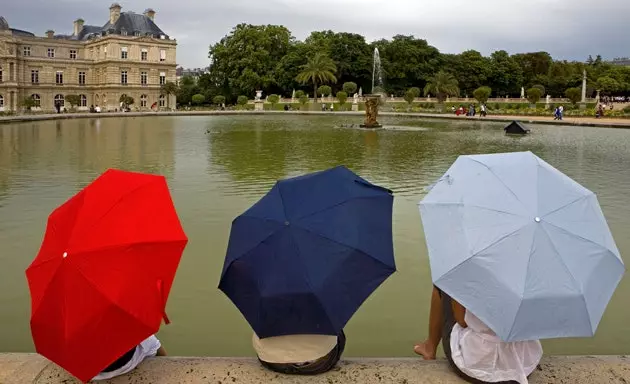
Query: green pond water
x=218, y=166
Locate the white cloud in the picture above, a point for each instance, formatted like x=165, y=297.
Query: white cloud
x=570, y=29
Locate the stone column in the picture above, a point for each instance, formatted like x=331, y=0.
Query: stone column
x=584, y=87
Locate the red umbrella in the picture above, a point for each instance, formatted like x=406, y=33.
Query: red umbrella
x=100, y=281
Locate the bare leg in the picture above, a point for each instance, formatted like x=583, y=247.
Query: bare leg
x=428, y=348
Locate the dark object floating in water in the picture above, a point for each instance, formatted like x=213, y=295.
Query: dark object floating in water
x=371, y=126
x=516, y=128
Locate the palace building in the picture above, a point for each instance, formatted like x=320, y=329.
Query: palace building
x=129, y=55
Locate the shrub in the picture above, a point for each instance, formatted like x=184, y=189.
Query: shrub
x=303, y=99
x=349, y=88
x=573, y=94
x=482, y=94
x=626, y=109
x=273, y=99
x=198, y=99
x=324, y=90
x=410, y=96
x=541, y=88
x=299, y=94
x=342, y=96
x=416, y=91
x=533, y=95
x=242, y=100
x=218, y=100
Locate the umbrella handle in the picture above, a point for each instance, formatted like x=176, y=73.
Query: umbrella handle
x=160, y=285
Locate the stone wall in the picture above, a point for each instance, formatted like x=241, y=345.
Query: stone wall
x=30, y=368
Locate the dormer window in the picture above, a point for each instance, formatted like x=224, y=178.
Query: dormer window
x=136, y=33
x=123, y=32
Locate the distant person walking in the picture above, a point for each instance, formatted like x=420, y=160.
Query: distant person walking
x=483, y=112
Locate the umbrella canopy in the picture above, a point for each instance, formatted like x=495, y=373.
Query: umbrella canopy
x=305, y=257
x=521, y=245
x=100, y=281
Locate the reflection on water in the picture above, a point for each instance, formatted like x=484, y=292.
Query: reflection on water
x=218, y=166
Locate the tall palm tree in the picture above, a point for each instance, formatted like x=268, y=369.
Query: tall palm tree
x=169, y=88
x=319, y=69
x=442, y=84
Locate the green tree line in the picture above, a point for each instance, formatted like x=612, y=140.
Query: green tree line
x=271, y=59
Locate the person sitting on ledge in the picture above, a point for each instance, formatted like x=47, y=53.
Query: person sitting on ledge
x=300, y=354
x=129, y=361
x=473, y=350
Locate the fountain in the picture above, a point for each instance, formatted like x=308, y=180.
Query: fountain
x=371, y=111
x=373, y=101
x=377, y=74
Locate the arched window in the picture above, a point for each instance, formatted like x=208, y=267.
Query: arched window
x=0, y=73
x=37, y=101
x=162, y=101
x=59, y=99
x=143, y=100
x=104, y=99
x=83, y=101
x=1, y=101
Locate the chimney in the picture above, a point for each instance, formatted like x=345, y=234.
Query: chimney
x=78, y=26
x=50, y=33
x=150, y=13
x=114, y=13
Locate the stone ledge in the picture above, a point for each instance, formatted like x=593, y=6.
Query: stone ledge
x=569, y=121
x=31, y=368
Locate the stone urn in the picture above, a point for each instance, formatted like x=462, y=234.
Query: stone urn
x=259, y=104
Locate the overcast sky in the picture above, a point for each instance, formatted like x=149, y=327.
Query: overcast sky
x=568, y=29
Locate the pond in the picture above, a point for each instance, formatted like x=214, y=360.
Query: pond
x=217, y=166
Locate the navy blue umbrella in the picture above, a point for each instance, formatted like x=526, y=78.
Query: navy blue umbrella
x=305, y=257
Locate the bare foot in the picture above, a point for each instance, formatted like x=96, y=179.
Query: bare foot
x=426, y=350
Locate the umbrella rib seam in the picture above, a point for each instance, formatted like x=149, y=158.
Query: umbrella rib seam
x=501, y=181
x=114, y=205
x=569, y=203
x=473, y=206
x=581, y=237
x=308, y=277
x=572, y=276
x=341, y=203
x=342, y=244
x=529, y=260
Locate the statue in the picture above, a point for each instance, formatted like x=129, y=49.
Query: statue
x=522, y=92
x=355, y=98
x=548, y=99
x=360, y=91
x=258, y=95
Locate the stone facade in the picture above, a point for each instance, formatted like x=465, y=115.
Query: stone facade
x=97, y=63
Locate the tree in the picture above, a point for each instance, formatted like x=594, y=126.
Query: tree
x=407, y=61
x=409, y=97
x=607, y=84
x=574, y=94
x=441, y=85
x=245, y=60
x=533, y=95
x=167, y=89
x=324, y=90
x=219, y=100
x=415, y=90
x=349, y=88
x=28, y=103
x=470, y=68
x=506, y=76
x=273, y=99
x=73, y=100
x=198, y=99
x=342, y=96
x=242, y=100
x=318, y=69
x=482, y=94
x=540, y=87
x=299, y=94
x=126, y=100
x=533, y=64
x=303, y=99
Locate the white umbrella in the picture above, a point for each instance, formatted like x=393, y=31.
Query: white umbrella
x=521, y=245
